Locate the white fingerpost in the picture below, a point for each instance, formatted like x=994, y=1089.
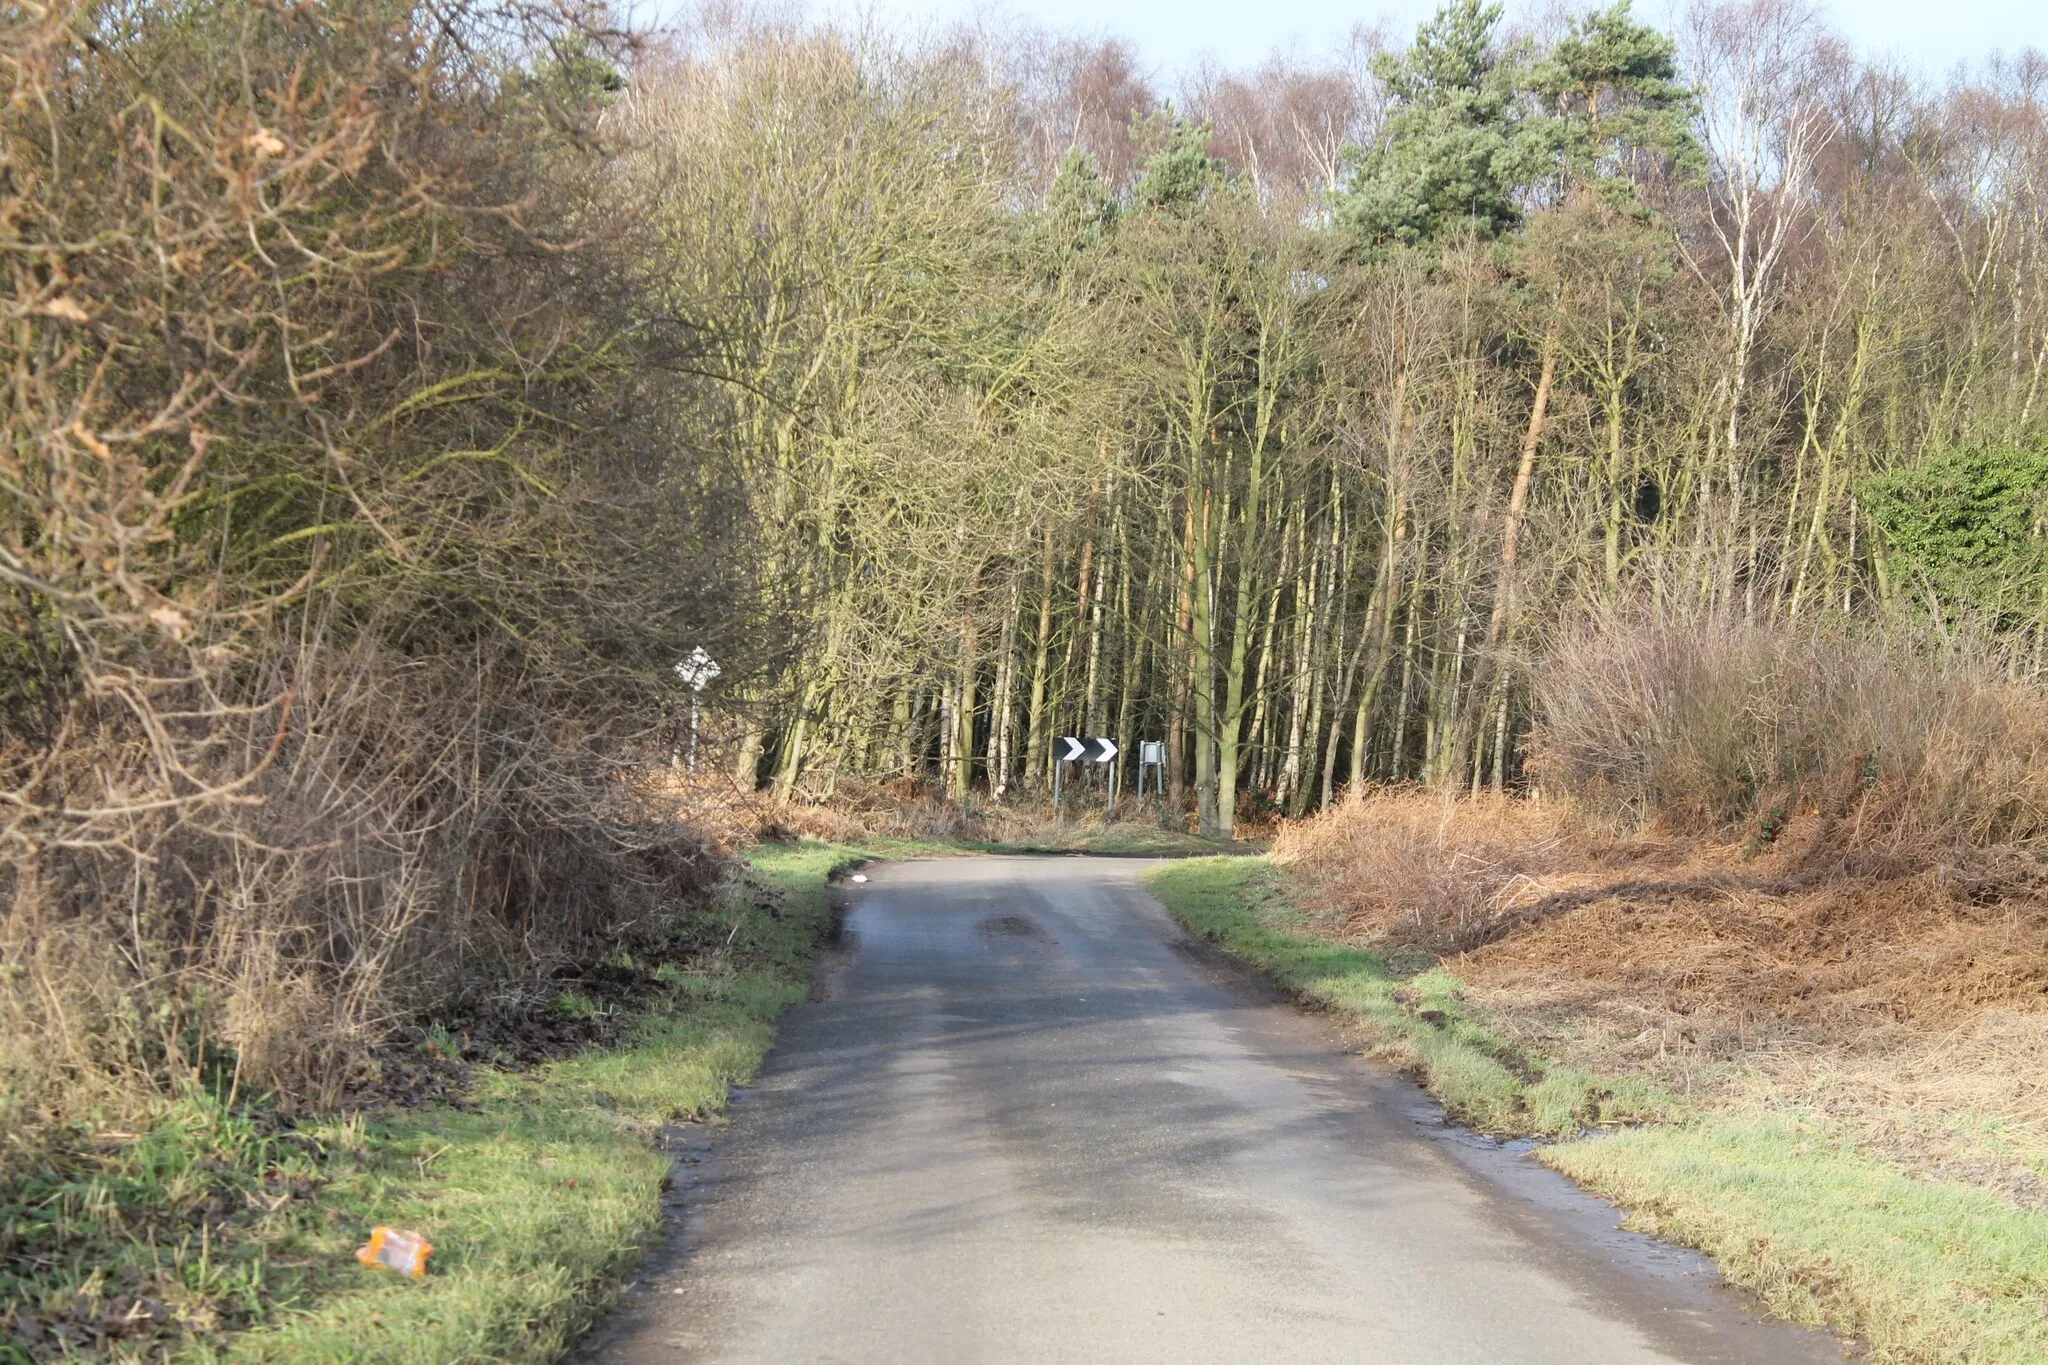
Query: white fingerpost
x=697, y=671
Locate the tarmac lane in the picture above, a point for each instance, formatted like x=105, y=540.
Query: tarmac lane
x=1026, y=1120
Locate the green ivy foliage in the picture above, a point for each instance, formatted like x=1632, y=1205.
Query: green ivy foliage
x=1968, y=523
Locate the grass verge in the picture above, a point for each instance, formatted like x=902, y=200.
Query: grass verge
x=1415, y=1018
x=1922, y=1270
x=224, y=1233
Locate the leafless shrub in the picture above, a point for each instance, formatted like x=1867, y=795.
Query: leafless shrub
x=1702, y=721
x=1431, y=870
x=328, y=630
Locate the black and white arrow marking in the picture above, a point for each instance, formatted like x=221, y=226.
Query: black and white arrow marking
x=1097, y=750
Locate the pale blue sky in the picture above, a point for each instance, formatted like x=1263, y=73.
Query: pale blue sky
x=1932, y=35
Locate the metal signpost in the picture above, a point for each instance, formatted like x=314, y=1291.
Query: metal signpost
x=1073, y=750
x=1152, y=755
x=698, y=670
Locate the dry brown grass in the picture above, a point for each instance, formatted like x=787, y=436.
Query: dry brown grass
x=1905, y=997
x=858, y=810
x=369, y=871
x=1703, y=721
x=1845, y=959
x=1425, y=869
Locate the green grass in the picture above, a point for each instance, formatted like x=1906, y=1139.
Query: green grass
x=1418, y=1020
x=539, y=1193
x=1923, y=1271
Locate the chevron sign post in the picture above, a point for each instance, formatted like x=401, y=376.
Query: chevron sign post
x=1098, y=750
x=1072, y=749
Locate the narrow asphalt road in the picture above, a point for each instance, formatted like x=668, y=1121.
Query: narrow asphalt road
x=1026, y=1121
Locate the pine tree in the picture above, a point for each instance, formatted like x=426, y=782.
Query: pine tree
x=1458, y=146
x=1617, y=110
x=1181, y=171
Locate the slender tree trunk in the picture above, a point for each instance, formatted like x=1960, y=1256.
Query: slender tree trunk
x=905, y=726
x=962, y=777
x=1836, y=448
x=1313, y=723
x=1386, y=592
x=1035, y=738
x=1243, y=620
x=1070, y=659
x=1500, y=744
x=1510, y=544
x=1202, y=671
x=1345, y=665
x=1183, y=632
x=949, y=731
x=1615, y=496
x=1259, y=740
x=1398, y=758
x=999, y=705
x=1132, y=659
x=1306, y=618
x=1335, y=736
x=1091, y=721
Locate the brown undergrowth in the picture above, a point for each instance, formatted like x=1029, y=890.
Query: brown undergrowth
x=741, y=817
x=1906, y=998
x=905, y=811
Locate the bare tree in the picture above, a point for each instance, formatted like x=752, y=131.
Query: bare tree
x=1754, y=63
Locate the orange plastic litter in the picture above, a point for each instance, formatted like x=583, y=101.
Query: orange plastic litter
x=396, y=1249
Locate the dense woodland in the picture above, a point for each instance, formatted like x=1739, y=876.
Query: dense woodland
x=399, y=388
x=1287, y=417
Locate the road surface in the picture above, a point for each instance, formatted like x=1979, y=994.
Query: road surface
x=1027, y=1121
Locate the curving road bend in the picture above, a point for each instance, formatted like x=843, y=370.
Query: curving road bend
x=1027, y=1121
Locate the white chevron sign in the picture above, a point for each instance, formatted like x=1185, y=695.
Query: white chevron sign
x=1096, y=750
